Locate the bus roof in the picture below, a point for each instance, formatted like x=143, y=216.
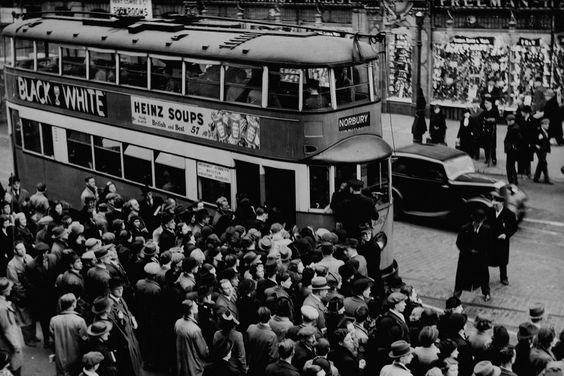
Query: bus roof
x=199, y=41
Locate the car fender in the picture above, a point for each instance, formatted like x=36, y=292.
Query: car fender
x=479, y=201
x=396, y=192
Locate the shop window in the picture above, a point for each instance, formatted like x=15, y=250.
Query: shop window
x=375, y=176
x=7, y=49
x=24, y=53
x=79, y=147
x=47, y=57
x=166, y=74
x=103, y=66
x=74, y=61
x=170, y=173
x=137, y=164
x=400, y=52
x=530, y=59
x=283, y=88
x=16, y=126
x=318, y=187
x=351, y=84
x=31, y=135
x=47, y=139
x=133, y=70
x=203, y=79
x=107, y=156
x=213, y=182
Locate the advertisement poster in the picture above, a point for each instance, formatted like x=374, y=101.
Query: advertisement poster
x=132, y=8
x=218, y=125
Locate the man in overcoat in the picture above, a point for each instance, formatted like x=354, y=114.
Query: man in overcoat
x=473, y=241
x=503, y=225
x=11, y=339
x=191, y=348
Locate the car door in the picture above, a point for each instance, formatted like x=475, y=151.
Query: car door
x=405, y=181
x=436, y=192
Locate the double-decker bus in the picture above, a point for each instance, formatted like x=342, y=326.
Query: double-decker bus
x=196, y=109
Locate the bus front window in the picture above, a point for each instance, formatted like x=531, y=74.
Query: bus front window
x=375, y=176
x=352, y=84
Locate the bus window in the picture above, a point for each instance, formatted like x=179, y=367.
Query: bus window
x=375, y=177
x=344, y=173
x=254, y=86
x=8, y=52
x=210, y=189
x=133, y=70
x=107, y=156
x=74, y=61
x=316, y=91
x=103, y=66
x=17, y=125
x=352, y=84
x=170, y=173
x=166, y=74
x=235, y=83
x=31, y=136
x=283, y=88
x=203, y=79
x=47, y=57
x=377, y=76
x=24, y=53
x=47, y=139
x=137, y=163
x=79, y=147
x=318, y=187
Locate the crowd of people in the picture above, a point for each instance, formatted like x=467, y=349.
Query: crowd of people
x=124, y=285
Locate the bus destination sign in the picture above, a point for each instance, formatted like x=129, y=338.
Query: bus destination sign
x=354, y=121
x=218, y=125
x=69, y=97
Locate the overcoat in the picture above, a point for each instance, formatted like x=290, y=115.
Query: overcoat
x=127, y=345
x=504, y=223
x=472, y=266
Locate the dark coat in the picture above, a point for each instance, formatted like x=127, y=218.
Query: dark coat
x=552, y=113
x=467, y=135
x=372, y=253
x=472, y=260
x=542, y=142
x=488, y=124
x=281, y=368
x=97, y=282
x=465, y=361
x=238, y=361
x=437, y=128
x=128, y=353
x=505, y=223
x=302, y=355
x=522, y=365
x=219, y=368
x=262, y=348
x=108, y=366
x=345, y=361
x=513, y=140
x=529, y=131
x=167, y=240
x=391, y=328
x=361, y=209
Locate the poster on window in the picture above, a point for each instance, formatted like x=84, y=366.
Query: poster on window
x=132, y=8
x=558, y=62
x=463, y=67
x=400, y=58
x=530, y=58
x=222, y=126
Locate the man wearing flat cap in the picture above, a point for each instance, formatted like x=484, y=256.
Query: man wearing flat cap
x=305, y=347
x=512, y=144
x=358, y=209
x=319, y=290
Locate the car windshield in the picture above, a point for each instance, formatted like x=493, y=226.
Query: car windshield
x=458, y=166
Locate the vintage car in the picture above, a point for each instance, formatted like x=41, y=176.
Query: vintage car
x=438, y=181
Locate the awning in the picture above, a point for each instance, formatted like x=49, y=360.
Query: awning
x=356, y=149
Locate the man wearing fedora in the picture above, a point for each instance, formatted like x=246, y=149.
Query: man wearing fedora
x=486, y=368
x=97, y=278
x=11, y=338
x=98, y=340
x=537, y=314
x=358, y=209
x=525, y=335
x=401, y=354
x=503, y=225
x=319, y=289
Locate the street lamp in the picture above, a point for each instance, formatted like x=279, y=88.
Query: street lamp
x=419, y=125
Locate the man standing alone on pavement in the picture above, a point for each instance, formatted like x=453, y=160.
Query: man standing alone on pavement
x=503, y=225
x=512, y=143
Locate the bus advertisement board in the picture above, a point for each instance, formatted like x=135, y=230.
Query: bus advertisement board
x=218, y=125
x=132, y=8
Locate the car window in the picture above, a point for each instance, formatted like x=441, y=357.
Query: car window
x=420, y=169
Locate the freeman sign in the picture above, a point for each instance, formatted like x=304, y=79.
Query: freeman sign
x=68, y=97
x=354, y=121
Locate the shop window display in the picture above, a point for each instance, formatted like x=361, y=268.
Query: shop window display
x=400, y=57
x=530, y=58
x=558, y=63
x=462, y=68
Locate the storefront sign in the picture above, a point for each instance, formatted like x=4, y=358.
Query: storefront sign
x=326, y=2
x=354, y=121
x=218, y=125
x=69, y=97
x=473, y=40
x=213, y=172
x=529, y=42
x=132, y=8
x=493, y=4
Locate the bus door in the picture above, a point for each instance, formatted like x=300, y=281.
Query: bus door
x=248, y=181
x=280, y=194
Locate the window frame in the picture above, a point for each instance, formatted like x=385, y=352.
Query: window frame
x=61, y=63
x=90, y=136
x=33, y=58
x=136, y=54
x=103, y=51
x=182, y=74
x=94, y=147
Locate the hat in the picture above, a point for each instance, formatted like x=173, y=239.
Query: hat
x=108, y=237
x=151, y=268
x=99, y=328
x=205, y=278
x=101, y=305
x=527, y=330
x=5, y=284
x=90, y=359
x=329, y=237
x=88, y=255
x=309, y=312
x=45, y=220
x=452, y=302
x=364, y=227
x=111, y=196
x=355, y=183
x=285, y=253
x=486, y=368
x=319, y=283
x=396, y=297
x=76, y=227
x=536, y=311
x=351, y=242
x=150, y=248
x=307, y=331
x=361, y=284
x=333, y=278
x=100, y=252
x=399, y=349
x=251, y=258
x=227, y=316
x=91, y=242
x=116, y=282
x=395, y=282
x=265, y=243
x=57, y=232
x=526, y=109
x=510, y=117
x=41, y=247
